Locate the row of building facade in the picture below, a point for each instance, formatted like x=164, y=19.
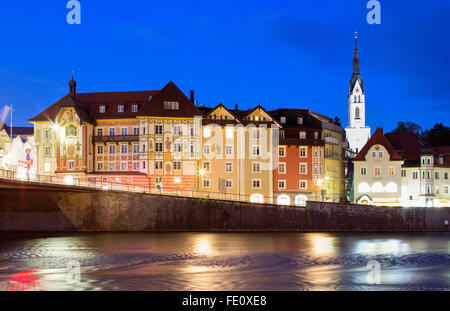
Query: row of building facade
x=162, y=140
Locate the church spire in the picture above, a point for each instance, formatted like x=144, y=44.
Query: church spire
x=72, y=87
x=356, y=74
x=355, y=57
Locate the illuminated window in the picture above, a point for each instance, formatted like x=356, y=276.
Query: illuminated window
x=124, y=131
x=229, y=132
x=71, y=131
x=363, y=187
x=377, y=187
x=257, y=198
x=283, y=199
x=120, y=108
x=100, y=149
x=282, y=151
x=228, y=183
x=281, y=184
x=134, y=108
x=300, y=121
x=47, y=167
x=71, y=164
x=281, y=134
x=206, y=132
x=283, y=120
x=124, y=149
x=300, y=200
x=302, y=135
x=391, y=187
x=391, y=171
x=377, y=171
x=101, y=109
x=171, y=106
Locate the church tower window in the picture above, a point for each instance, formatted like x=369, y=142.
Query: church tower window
x=357, y=116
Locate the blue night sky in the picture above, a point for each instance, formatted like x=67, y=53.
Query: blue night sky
x=275, y=53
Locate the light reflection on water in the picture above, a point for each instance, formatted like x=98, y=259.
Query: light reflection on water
x=238, y=261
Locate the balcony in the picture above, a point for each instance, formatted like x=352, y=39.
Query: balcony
x=115, y=138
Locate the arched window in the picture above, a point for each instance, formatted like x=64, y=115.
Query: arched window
x=71, y=131
x=363, y=187
x=283, y=199
x=357, y=113
x=257, y=198
x=377, y=187
x=391, y=187
x=300, y=200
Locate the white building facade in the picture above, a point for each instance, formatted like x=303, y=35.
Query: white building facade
x=357, y=132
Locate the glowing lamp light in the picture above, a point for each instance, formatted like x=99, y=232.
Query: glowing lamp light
x=202, y=171
x=206, y=132
x=177, y=180
x=55, y=127
x=327, y=178
x=68, y=180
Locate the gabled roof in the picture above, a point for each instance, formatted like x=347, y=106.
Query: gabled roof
x=244, y=115
x=291, y=114
x=407, y=145
x=209, y=111
x=170, y=93
x=378, y=138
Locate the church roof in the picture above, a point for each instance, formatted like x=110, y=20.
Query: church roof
x=378, y=138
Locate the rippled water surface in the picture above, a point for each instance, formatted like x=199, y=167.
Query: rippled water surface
x=234, y=261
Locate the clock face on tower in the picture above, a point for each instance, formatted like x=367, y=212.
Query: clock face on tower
x=357, y=90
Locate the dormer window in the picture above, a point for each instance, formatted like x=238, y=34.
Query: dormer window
x=134, y=108
x=283, y=120
x=300, y=121
x=171, y=106
x=302, y=135
x=120, y=108
x=102, y=109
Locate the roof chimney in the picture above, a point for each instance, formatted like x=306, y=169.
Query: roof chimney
x=192, y=97
x=236, y=107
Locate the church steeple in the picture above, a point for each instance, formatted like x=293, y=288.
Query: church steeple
x=356, y=74
x=72, y=87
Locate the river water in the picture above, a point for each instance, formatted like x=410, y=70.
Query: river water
x=228, y=261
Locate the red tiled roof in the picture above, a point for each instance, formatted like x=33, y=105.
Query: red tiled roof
x=378, y=139
x=111, y=100
x=408, y=142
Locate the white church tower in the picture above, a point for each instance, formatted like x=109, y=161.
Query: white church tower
x=357, y=132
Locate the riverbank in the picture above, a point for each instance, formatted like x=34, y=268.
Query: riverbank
x=31, y=207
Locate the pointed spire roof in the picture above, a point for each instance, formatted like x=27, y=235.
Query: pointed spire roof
x=356, y=74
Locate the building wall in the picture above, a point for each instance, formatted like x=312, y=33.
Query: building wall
x=384, y=180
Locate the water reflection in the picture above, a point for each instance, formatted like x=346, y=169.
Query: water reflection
x=377, y=247
x=236, y=261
